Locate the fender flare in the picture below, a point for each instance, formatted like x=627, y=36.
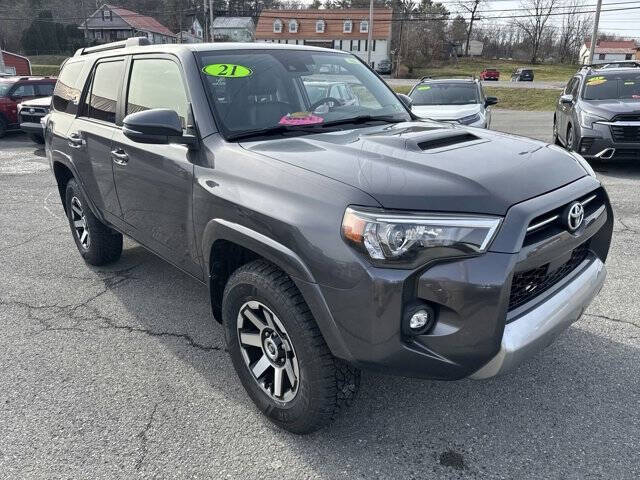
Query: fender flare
x=68, y=164
x=289, y=262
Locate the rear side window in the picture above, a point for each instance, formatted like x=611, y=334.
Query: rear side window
x=157, y=83
x=44, y=89
x=104, y=91
x=66, y=93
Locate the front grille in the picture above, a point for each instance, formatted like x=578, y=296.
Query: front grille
x=30, y=118
x=527, y=285
x=622, y=133
x=627, y=117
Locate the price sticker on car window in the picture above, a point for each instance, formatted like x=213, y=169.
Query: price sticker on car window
x=629, y=83
x=228, y=70
x=424, y=87
x=593, y=81
x=351, y=60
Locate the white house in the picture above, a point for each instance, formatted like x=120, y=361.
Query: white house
x=194, y=34
x=609, y=50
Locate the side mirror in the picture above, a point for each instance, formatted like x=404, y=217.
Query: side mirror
x=566, y=98
x=406, y=99
x=490, y=101
x=158, y=125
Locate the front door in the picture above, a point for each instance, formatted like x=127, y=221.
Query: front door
x=154, y=182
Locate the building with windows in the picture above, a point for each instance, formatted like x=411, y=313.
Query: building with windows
x=234, y=29
x=109, y=24
x=14, y=64
x=194, y=34
x=609, y=50
x=346, y=30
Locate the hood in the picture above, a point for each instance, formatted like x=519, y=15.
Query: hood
x=431, y=166
x=446, y=112
x=610, y=108
x=37, y=102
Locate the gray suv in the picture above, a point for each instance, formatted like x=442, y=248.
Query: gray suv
x=598, y=114
x=332, y=236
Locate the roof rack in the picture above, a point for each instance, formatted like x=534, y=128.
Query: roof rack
x=129, y=42
x=434, y=77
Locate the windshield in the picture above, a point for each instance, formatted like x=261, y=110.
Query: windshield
x=254, y=90
x=4, y=88
x=612, y=87
x=445, y=94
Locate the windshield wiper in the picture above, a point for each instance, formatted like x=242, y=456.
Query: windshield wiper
x=275, y=130
x=363, y=119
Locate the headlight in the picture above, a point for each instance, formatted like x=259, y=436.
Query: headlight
x=408, y=240
x=588, y=119
x=470, y=119
x=583, y=163
x=19, y=107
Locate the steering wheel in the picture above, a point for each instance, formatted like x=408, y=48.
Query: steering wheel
x=328, y=100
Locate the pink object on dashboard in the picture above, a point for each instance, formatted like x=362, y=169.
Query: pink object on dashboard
x=300, y=118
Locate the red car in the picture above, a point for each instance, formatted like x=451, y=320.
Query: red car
x=14, y=90
x=490, y=74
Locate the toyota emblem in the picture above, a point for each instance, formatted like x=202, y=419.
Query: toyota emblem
x=574, y=216
x=32, y=110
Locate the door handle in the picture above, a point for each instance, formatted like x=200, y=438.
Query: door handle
x=120, y=156
x=75, y=140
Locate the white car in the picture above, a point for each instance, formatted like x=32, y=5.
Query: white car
x=459, y=100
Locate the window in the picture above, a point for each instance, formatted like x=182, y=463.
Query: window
x=26, y=90
x=277, y=26
x=293, y=26
x=364, y=26
x=157, y=83
x=347, y=26
x=44, y=89
x=627, y=56
x=66, y=94
x=98, y=34
x=104, y=91
x=106, y=15
x=601, y=56
x=570, y=85
x=320, y=26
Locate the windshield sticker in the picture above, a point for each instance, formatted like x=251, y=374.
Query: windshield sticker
x=300, y=118
x=629, y=83
x=227, y=70
x=424, y=87
x=593, y=81
x=351, y=60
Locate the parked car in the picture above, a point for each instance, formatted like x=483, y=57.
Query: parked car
x=598, y=114
x=490, y=74
x=522, y=75
x=384, y=67
x=452, y=99
x=15, y=90
x=362, y=237
x=31, y=114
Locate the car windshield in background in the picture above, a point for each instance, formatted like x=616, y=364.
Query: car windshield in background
x=278, y=90
x=445, y=94
x=613, y=87
x=4, y=88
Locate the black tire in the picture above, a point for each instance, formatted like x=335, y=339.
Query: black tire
x=556, y=138
x=326, y=384
x=102, y=244
x=39, y=139
x=570, y=139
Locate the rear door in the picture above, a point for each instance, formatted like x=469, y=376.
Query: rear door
x=154, y=182
x=89, y=138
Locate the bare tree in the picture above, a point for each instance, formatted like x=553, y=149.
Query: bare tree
x=575, y=27
x=534, y=24
x=471, y=6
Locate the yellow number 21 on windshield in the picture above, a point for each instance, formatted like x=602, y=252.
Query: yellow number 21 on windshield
x=227, y=70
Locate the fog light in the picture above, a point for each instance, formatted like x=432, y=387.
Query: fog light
x=419, y=320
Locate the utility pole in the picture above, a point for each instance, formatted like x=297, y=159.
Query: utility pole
x=594, y=36
x=211, y=20
x=370, y=35
x=205, y=36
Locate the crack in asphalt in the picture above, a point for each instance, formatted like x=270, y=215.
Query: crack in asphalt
x=612, y=319
x=144, y=448
x=32, y=238
x=626, y=228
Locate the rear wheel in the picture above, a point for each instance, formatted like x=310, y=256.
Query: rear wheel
x=97, y=243
x=279, y=353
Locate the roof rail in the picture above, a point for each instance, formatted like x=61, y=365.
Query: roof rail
x=434, y=77
x=129, y=42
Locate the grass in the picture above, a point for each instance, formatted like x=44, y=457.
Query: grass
x=515, y=98
x=46, y=70
x=47, y=60
x=542, y=72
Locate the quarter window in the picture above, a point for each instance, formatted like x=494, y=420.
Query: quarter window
x=66, y=93
x=104, y=91
x=157, y=83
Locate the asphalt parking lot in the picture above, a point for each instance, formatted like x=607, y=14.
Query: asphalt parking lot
x=120, y=372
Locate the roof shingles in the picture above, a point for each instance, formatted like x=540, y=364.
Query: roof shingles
x=140, y=22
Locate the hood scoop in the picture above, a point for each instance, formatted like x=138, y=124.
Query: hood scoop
x=446, y=139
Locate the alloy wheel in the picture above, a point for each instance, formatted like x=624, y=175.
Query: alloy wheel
x=79, y=221
x=268, y=351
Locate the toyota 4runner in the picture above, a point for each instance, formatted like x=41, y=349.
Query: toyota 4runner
x=332, y=236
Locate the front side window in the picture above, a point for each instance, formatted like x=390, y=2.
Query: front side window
x=104, y=91
x=66, y=93
x=157, y=83
x=26, y=90
x=364, y=26
x=4, y=88
x=277, y=26
x=623, y=86
x=445, y=94
x=347, y=26
x=251, y=90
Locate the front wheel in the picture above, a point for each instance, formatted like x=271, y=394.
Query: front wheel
x=570, y=139
x=556, y=139
x=279, y=353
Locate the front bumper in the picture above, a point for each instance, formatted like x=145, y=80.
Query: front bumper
x=598, y=143
x=534, y=330
x=33, y=128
